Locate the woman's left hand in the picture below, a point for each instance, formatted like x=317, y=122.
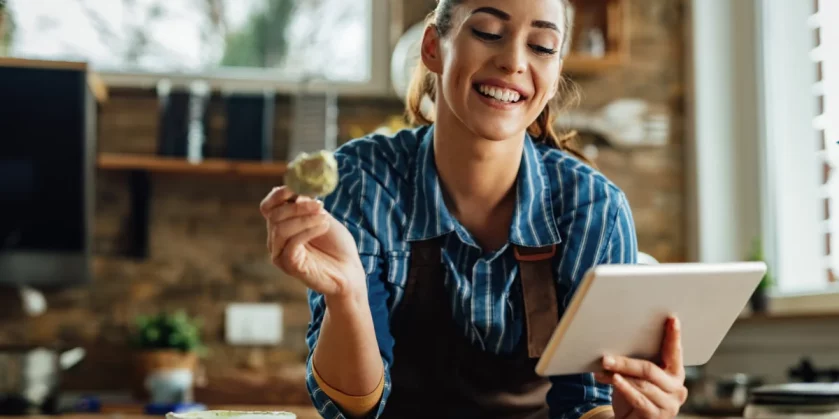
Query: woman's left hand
x=644, y=390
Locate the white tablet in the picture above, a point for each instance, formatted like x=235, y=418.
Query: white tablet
x=622, y=310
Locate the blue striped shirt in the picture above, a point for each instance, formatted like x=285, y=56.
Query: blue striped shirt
x=389, y=196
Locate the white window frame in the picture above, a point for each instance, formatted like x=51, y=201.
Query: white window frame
x=258, y=80
x=734, y=69
x=793, y=223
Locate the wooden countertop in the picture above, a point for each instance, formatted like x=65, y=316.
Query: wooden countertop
x=302, y=412
x=120, y=411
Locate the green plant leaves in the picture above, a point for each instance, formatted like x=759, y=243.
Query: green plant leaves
x=169, y=331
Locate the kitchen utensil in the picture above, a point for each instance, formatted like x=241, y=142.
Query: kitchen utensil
x=250, y=125
x=231, y=414
x=30, y=378
x=34, y=303
x=794, y=401
x=726, y=394
x=623, y=123
x=315, y=122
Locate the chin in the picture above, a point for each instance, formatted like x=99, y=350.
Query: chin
x=494, y=129
x=497, y=135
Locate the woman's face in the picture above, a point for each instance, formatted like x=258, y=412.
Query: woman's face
x=499, y=65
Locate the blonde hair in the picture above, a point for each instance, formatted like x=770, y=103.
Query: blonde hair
x=423, y=83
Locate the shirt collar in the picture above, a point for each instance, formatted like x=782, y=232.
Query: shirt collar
x=534, y=223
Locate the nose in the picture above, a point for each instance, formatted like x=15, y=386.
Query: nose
x=512, y=58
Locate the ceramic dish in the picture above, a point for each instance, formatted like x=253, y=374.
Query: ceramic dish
x=231, y=414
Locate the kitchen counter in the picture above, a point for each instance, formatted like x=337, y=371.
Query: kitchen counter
x=302, y=412
x=136, y=412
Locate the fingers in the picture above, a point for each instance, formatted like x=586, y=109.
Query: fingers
x=289, y=257
x=275, y=198
x=671, y=348
x=300, y=239
x=641, y=369
x=283, y=232
x=649, y=399
x=300, y=208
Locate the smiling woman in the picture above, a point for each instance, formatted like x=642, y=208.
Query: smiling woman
x=442, y=262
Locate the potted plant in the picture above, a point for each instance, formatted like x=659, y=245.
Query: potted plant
x=167, y=347
x=760, y=299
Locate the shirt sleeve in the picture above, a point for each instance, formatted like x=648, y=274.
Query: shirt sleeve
x=602, y=232
x=347, y=204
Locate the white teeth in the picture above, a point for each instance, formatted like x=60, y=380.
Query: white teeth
x=497, y=93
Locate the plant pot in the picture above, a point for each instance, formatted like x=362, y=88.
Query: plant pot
x=759, y=302
x=169, y=372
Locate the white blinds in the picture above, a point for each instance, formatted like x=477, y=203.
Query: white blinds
x=826, y=56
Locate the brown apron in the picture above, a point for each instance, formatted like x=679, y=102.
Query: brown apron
x=437, y=372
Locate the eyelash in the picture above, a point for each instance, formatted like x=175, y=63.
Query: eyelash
x=493, y=37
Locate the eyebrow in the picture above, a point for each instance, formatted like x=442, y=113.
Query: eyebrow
x=541, y=24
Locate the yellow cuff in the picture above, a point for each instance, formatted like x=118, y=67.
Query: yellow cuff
x=596, y=411
x=356, y=406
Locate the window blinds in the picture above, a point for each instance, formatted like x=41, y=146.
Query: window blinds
x=826, y=57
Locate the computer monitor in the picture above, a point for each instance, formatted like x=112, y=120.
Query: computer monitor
x=47, y=152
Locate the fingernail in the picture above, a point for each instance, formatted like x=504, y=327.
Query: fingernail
x=676, y=324
x=617, y=378
x=608, y=361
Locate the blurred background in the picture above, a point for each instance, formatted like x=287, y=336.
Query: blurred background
x=137, y=138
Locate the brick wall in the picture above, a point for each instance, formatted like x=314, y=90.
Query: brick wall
x=207, y=237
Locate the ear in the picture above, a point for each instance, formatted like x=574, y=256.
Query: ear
x=430, y=50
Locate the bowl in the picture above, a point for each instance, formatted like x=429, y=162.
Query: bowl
x=231, y=414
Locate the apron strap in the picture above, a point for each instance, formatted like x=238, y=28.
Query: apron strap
x=539, y=293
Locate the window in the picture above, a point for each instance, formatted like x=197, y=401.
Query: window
x=284, y=41
x=826, y=57
x=800, y=70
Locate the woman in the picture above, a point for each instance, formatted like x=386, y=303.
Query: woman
x=439, y=267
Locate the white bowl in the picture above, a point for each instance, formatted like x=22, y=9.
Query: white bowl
x=231, y=414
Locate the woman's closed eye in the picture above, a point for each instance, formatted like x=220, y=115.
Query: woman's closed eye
x=487, y=36
x=543, y=50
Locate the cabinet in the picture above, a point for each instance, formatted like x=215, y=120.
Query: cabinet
x=47, y=150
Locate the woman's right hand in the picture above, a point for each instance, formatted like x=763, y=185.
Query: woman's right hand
x=306, y=242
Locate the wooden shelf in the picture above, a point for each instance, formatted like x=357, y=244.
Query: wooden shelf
x=171, y=165
x=141, y=167
x=578, y=64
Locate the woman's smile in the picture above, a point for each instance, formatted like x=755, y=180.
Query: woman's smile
x=499, y=94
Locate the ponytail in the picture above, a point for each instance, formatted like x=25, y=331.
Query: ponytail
x=421, y=90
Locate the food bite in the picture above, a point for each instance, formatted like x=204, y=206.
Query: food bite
x=313, y=175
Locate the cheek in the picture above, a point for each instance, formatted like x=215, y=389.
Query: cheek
x=545, y=79
x=462, y=61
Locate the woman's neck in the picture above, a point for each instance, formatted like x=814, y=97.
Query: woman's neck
x=477, y=175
